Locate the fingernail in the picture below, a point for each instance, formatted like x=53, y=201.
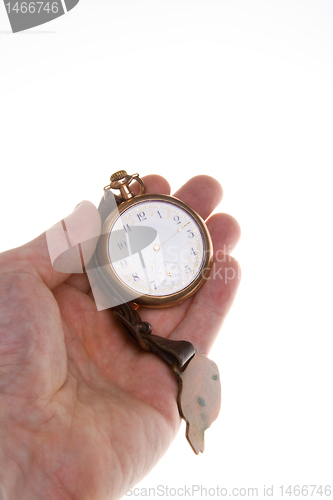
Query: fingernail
x=76, y=206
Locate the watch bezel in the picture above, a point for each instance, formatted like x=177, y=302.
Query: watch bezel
x=111, y=277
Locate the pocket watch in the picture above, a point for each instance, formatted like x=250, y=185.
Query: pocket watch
x=155, y=250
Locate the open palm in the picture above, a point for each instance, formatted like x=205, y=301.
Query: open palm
x=83, y=411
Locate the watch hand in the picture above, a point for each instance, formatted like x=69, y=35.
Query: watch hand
x=168, y=272
x=153, y=266
x=178, y=230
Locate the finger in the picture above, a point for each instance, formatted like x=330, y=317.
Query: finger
x=225, y=232
x=153, y=184
x=210, y=306
x=203, y=193
x=59, y=243
x=80, y=282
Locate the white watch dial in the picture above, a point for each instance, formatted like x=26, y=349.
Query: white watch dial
x=156, y=248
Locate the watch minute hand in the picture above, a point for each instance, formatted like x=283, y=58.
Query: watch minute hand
x=178, y=230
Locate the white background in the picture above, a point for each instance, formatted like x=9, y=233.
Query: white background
x=238, y=89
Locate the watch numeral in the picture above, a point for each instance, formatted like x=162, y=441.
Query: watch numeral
x=176, y=219
x=135, y=277
x=188, y=270
x=127, y=228
x=123, y=263
x=191, y=234
x=122, y=245
x=193, y=252
x=159, y=214
x=141, y=216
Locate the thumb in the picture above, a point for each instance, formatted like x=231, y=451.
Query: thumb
x=57, y=253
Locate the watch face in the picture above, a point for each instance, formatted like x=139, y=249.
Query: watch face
x=158, y=248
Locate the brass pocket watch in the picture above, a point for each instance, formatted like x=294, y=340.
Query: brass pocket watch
x=155, y=249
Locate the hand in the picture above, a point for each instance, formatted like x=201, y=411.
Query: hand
x=83, y=411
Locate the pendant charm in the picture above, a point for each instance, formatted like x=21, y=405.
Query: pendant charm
x=199, y=386
x=199, y=398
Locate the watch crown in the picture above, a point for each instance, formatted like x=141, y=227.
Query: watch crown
x=118, y=175
x=121, y=180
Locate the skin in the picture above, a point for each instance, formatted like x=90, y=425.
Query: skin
x=83, y=411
